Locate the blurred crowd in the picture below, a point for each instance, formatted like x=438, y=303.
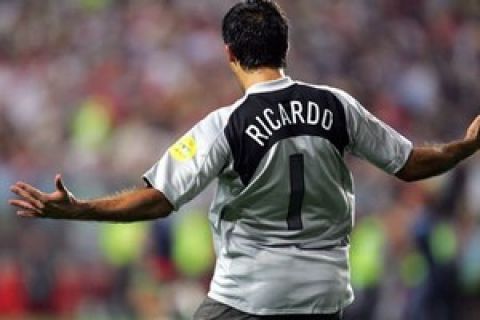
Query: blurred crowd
x=98, y=90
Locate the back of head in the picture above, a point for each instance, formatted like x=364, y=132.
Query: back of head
x=256, y=32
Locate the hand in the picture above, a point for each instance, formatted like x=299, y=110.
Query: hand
x=36, y=204
x=473, y=132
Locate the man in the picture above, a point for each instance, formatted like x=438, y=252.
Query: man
x=283, y=210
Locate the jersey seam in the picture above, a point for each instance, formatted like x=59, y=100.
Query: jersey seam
x=166, y=193
x=217, y=137
x=338, y=94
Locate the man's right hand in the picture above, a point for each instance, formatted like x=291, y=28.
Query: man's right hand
x=473, y=132
x=35, y=203
x=129, y=206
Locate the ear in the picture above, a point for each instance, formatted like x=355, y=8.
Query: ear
x=231, y=57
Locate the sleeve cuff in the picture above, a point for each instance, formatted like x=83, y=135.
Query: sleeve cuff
x=168, y=195
x=400, y=162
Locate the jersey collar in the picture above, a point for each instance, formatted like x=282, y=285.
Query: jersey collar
x=268, y=86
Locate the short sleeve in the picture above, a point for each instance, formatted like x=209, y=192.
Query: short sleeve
x=191, y=163
x=371, y=139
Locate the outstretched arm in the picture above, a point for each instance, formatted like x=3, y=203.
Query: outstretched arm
x=425, y=162
x=136, y=205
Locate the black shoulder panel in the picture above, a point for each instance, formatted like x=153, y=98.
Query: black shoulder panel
x=263, y=119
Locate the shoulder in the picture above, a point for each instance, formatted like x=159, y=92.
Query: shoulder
x=352, y=108
x=340, y=94
x=210, y=130
x=218, y=119
x=214, y=124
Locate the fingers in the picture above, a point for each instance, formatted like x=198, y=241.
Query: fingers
x=25, y=206
x=34, y=203
x=27, y=196
x=26, y=214
x=33, y=192
x=31, y=203
x=59, y=183
x=477, y=121
x=473, y=131
x=477, y=128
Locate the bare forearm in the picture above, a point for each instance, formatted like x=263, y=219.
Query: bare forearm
x=129, y=206
x=426, y=162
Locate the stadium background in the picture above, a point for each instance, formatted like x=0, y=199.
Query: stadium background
x=98, y=89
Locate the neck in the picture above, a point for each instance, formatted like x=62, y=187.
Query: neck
x=251, y=77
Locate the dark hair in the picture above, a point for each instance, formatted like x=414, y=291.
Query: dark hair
x=257, y=33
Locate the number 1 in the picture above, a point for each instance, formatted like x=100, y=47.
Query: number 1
x=297, y=192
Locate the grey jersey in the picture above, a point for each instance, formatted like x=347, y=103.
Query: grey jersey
x=284, y=204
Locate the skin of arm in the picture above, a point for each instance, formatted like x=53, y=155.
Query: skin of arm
x=129, y=206
x=148, y=203
x=426, y=162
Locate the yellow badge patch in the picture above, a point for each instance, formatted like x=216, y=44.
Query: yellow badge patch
x=184, y=149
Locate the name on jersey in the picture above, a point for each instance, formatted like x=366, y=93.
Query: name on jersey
x=295, y=113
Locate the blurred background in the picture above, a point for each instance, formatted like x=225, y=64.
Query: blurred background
x=98, y=90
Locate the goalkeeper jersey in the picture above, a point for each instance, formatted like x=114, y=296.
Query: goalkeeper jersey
x=284, y=205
